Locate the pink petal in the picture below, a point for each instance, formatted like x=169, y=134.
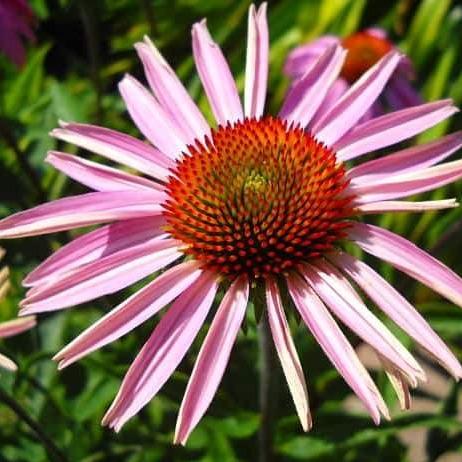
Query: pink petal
x=287, y=354
x=171, y=93
x=408, y=258
x=309, y=92
x=164, y=350
x=216, y=76
x=335, y=290
x=117, y=147
x=131, y=313
x=82, y=210
x=397, y=308
x=213, y=358
x=256, y=71
x=336, y=91
x=392, y=128
x=409, y=183
x=105, y=276
x=401, y=94
x=301, y=58
x=377, y=32
x=402, y=206
x=335, y=345
x=16, y=326
x=7, y=363
x=406, y=161
x=152, y=120
x=98, y=177
x=398, y=382
x=356, y=101
x=94, y=245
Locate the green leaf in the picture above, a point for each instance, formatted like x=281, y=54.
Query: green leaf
x=26, y=88
x=306, y=447
x=425, y=29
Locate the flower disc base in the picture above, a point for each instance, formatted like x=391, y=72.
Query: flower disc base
x=364, y=50
x=257, y=198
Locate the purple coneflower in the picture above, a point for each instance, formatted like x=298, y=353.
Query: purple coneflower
x=365, y=48
x=16, y=24
x=256, y=205
x=15, y=326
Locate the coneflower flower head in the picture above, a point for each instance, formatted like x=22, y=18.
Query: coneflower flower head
x=257, y=201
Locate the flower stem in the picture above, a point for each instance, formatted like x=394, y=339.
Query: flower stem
x=267, y=395
x=88, y=14
x=22, y=414
x=21, y=159
x=150, y=17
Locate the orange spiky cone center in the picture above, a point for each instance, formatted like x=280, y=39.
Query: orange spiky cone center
x=257, y=198
x=364, y=50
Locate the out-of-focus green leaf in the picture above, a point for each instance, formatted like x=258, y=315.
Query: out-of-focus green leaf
x=425, y=28
x=242, y=425
x=306, y=447
x=26, y=88
x=352, y=17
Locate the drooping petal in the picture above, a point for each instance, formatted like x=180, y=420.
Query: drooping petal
x=287, y=354
x=400, y=93
x=216, y=77
x=256, y=70
x=335, y=345
x=164, y=350
x=405, y=161
x=356, y=101
x=213, y=358
x=16, y=326
x=116, y=146
x=302, y=57
x=335, y=290
x=309, y=92
x=131, y=313
x=7, y=363
x=336, y=91
x=171, y=93
x=397, y=308
x=98, y=177
x=94, y=245
x=408, y=184
x=408, y=258
x=392, y=128
x=82, y=210
x=152, y=120
x=4, y=281
x=403, y=206
x=104, y=276
x=398, y=382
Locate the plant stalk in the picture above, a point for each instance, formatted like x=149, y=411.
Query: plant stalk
x=22, y=414
x=266, y=391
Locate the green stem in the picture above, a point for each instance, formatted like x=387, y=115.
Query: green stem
x=21, y=159
x=149, y=12
x=22, y=414
x=88, y=16
x=267, y=391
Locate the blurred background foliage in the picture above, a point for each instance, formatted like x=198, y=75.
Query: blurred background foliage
x=82, y=50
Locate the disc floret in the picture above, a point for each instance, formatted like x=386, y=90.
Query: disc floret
x=364, y=50
x=258, y=197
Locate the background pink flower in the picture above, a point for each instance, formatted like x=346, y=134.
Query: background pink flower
x=16, y=24
x=365, y=48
